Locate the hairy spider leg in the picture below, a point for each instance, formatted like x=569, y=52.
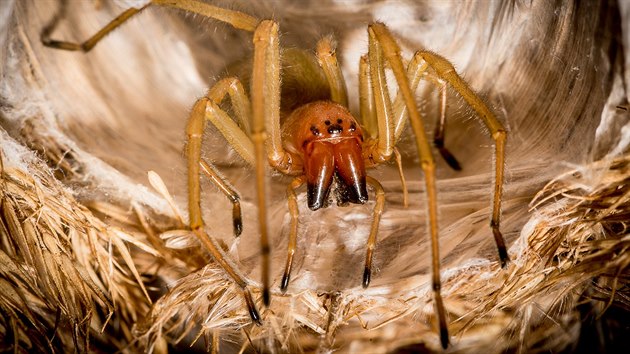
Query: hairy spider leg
x=440, y=129
x=224, y=186
x=249, y=149
x=444, y=69
x=88, y=44
x=385, y=138
x=237, y=19
x=417, y=70
x=386, y=48
x=293, y=229
x=266, y=127
x=369, y=121
x=367, y=111
x=194, y=130
x=376, y=220
x=446, y=74
x=327, y=59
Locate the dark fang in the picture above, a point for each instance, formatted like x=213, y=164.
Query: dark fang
x=317, y=195
x=367, y=276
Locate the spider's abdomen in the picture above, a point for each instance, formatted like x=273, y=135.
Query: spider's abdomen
x=329, y=140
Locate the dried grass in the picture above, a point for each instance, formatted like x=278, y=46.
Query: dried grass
x=66, y=275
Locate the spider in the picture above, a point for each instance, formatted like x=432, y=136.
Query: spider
x=316, y=139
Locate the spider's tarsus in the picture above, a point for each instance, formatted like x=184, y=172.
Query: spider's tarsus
x=285, y=283
x=251, y=307
x=444, y=336
x=503, y=255
x=266, y=297
x=238, y=226
x=450, y=159
x=237, y=219
x=367, y=276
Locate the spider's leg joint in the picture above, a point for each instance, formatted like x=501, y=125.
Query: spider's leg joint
x=428, y=165
x=500, y=135
x=262, y=31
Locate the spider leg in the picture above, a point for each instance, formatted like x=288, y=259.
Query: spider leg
x=445, y=73
x=327, y=58
x=440, y=127
x=371, y=109
x=294, y=212
x=237, y=19
x=241, y=106
x=366, y=98
x=221, y=182
x=444, y=70
x=194, y=130
x=403, y=181
x=266, y=132
x=87, y=45
x=388, y=49
x=382, y=104
x=417, y=70
x=376, y=219
x=235, y=135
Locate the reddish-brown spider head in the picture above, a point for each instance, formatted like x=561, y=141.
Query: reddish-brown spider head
x=329, y=139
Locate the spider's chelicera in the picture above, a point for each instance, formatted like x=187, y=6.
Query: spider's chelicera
x=329, y=139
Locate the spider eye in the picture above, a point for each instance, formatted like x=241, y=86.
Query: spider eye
x=339, y=121
x=327, y=122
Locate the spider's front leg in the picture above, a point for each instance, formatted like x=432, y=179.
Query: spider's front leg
x=382, y=47
x=267, y=135
x=445, y=71
x=196, y=125
x=385, y=47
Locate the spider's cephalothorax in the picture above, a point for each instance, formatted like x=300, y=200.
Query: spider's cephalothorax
x=329, y=140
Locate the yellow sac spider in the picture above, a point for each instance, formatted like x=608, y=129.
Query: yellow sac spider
x=317, y=140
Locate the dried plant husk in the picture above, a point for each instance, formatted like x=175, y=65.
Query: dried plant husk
x=95, y=257
x=66, y=274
